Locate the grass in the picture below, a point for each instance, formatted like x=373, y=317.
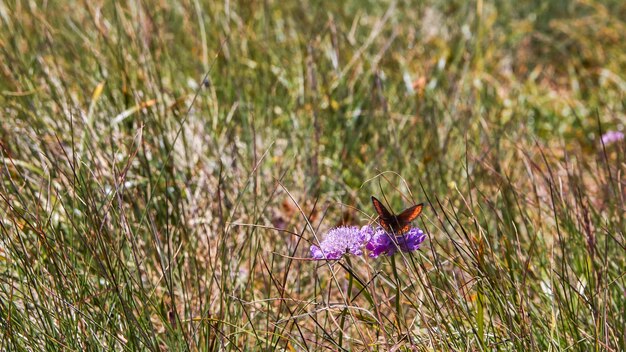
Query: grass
x=166, y=166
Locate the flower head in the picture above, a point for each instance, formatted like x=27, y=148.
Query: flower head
x=380, y=243
x=611, y=137
x=368, y=231
x=411, y=240
x=339, y=241
x=383, y=243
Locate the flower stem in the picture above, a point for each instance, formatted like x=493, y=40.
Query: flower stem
x=348, y=302
x=398, y=292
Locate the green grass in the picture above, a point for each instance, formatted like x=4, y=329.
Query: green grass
x=143, y=207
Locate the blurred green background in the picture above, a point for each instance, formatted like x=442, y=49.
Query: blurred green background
x=161, y=161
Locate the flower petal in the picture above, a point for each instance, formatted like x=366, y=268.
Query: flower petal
x=339, y=241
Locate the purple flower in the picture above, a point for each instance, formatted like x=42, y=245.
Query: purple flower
x=368, y=231
x=411, y=240
x=611, y=137
x=383, y=243
x=380, y=243
x=339, y=241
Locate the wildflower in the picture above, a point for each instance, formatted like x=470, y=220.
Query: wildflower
x=380, y=243
x=383, y=243
x=368, y=231
x=611, y=137
x=339, y=241
x=411, y=240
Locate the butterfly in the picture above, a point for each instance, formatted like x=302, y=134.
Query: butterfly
x=396, y=224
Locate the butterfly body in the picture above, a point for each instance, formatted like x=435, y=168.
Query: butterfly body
x=396, y=224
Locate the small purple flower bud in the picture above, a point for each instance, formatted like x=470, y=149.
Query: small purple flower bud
x=611, y=137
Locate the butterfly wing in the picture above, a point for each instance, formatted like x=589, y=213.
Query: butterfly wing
x=385, y=218
x=410, y=214
x=396, y=224
x=403, y=220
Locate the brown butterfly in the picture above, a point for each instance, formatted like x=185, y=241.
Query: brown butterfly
x=396, y=224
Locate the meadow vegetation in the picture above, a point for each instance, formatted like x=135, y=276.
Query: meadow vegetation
x=166, y=166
